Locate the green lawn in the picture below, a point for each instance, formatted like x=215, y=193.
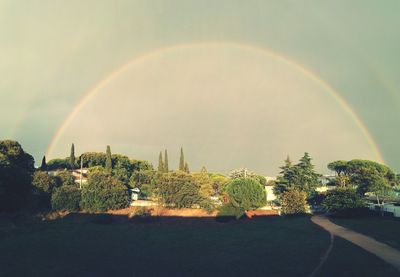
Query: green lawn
x=384, y=229
x=271, y=246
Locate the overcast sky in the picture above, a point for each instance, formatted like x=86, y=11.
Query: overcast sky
x=54, y=52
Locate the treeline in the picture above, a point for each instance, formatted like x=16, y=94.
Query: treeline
x=297, y=184
x=92, y=159
x=110, y=176
x=24, y=187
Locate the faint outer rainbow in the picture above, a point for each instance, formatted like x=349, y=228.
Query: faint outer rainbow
x=307, y=73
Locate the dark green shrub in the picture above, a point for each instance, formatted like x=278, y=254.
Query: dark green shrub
x=43, y=186
x=103, y=192
x=65, y=178
x=43, y=182
x=16, y=169
x=343, y=201
x=207, y=205
x=66, y=198
x=143, y=212
x=179, y=189
x=316, y=198
x=146, y=191
x=293, y=201
x=143, y=215
x=262, y=180
x=246, y=194
x=228, y=212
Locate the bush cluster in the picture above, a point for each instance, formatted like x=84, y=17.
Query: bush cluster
x=66, y=198
x=103, y=192
x=45, y=186
x=179, y=189
x=228, y=212
x=246, y=194
x=293, y=201
x=16, y=169
x=343, y=201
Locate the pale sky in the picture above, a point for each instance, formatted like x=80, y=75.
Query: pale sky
x=53, y=53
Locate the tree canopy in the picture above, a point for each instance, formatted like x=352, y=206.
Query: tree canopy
x=300, y=176
x=43, y=165
x=109, y=165
x=365, y=176
x=166, y=168
x=179, y=189
x=182, y=161
x=72, y=157
x=160, y=162
x=246, y=193
x=16, y=170
x=103, y=192
x=342, y=200
x=293, y=201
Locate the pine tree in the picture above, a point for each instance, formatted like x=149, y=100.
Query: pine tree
x=288, y=164
x=160, y=163
x=186, y=168
x=166, y=169
x=182, y=161
x=287, y=171
x=72, y=157
x=305, y=162
x=287, y=177
x=44, y=164
x=308, y=179
x=108, y=159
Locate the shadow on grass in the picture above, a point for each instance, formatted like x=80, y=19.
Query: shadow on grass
x=113, y=245
x=108, y=219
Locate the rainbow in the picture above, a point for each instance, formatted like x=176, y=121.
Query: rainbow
x=264, y=51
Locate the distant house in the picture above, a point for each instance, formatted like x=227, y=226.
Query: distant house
x=327, y=179
x=135, y=192
x=269, y=190
x=324, y=188
x=269, y=178
x=76, y=174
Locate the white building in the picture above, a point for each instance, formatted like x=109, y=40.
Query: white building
x=269, y=190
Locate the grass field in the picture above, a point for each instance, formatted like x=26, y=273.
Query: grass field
x=384, y=229
x=103, y=246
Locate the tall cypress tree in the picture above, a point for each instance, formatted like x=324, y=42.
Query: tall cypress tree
x=166, y=169
x=108, y=159
x=182, y=161
x=44, y=164
x=72, y=157
x=186, y=168
x=160, y=163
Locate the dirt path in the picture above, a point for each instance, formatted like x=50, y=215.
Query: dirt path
x=383, y=251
